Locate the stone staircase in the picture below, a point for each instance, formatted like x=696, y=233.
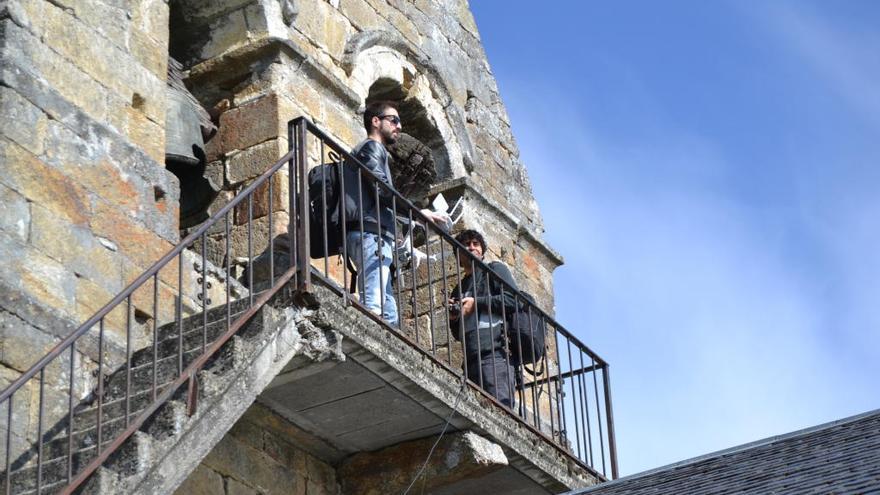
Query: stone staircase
x=246, y=362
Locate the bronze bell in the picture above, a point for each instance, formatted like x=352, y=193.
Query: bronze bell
x=183, y=134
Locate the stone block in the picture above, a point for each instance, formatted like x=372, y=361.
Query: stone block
x=253, y=161
x=76, y=248
x=137, y=243
x=458, y=456
x=143, y=299
x=249, y=124
x=259, y=235
x=305, y=97
x=151, y=18
x=239, y=461
x=90, y=298
x=261, y=201
x=202, y=481
x=149, y=53
x=405, y=26
x=47, y=281
x=22, y=121
x=27, y=51
x=146, y=134
x=82, y=46
x=226, y=33
x=362, y=15
x=323, y=25
x=15, y=214
x=20, y=343
x=42, y=184
x=344, y=125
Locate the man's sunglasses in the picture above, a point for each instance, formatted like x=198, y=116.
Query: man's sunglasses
x=394, y=119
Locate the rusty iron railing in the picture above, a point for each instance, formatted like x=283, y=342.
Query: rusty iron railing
x=568, y=398
x=78, y=425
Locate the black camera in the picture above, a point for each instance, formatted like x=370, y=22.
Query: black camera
x=455, y=307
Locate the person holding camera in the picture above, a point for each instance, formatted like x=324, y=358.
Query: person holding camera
x=477, y=306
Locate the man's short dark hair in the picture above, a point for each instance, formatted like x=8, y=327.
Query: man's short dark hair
x=466, y=236
x=376, y=109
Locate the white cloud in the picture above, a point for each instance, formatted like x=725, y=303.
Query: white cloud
x=846, y=57
x=715, y=336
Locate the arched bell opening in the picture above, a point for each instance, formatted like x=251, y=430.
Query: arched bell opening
x=420, y=158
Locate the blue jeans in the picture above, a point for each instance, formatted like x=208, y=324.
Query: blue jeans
x=375, y=274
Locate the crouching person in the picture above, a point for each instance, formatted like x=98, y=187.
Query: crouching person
x=475, y=307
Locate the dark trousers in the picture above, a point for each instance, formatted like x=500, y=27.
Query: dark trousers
x=497, y=377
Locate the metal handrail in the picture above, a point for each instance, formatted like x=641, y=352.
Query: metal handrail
x=299, y=129
x=138, y=282
x=185, y=375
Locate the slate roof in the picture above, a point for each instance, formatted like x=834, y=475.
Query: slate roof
x=838, y=458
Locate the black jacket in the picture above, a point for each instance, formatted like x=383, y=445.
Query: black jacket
x=490, y=295
x=360, y=192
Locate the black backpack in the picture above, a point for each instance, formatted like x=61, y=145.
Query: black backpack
x=324, y=190
x=526, y=334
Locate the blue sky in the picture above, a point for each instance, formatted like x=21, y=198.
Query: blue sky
x=722, y=162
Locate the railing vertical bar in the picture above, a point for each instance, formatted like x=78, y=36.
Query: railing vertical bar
x=345, y=257
x=100, y=426
x=7, y=462
x=155, y=334
x=70, y=423
x=560, y=390
x=41, y=409
x=520, y=376
x=585, y=402
x=270, y=237
x=487, y=278
x=445, y=300
x=303, y=242
x=228, y=258
x=430, y=289
x=598, y=414
x=535, y=381
x=609, y=417
x=362, y=285
x=179, y=318
x=324, y=237
x=129, y=314
x=293, y=242
x=547, y=373
x=205, y=292
x=397, y=268
x=250, y=245
x=574, y=396
x=458, y=268
x=381, y=245
x=412, y=273
x=475, y=294
x=508, y=366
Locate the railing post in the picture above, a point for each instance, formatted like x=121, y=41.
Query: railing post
x=298, y=230
x=609, y=417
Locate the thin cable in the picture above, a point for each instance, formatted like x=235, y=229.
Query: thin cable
x=442, y=432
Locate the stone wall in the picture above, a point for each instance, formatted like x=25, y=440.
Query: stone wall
x=266, y=62
x=259, y=456
x=86, y=203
